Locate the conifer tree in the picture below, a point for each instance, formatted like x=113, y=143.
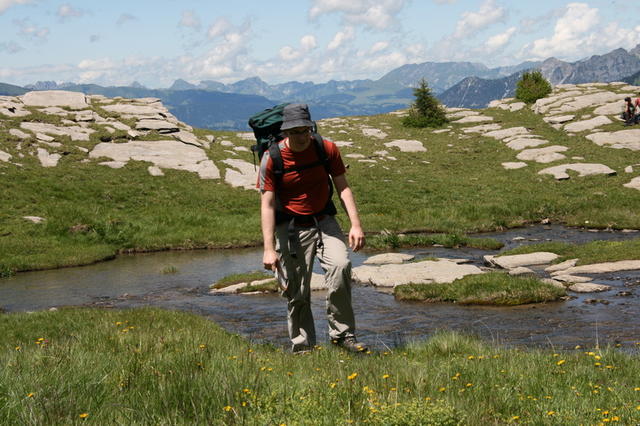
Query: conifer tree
x=532, y=86
x=426, y=110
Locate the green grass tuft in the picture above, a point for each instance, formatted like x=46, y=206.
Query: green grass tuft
x=495, y=288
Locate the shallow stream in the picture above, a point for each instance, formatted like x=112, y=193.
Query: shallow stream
x=611, y=317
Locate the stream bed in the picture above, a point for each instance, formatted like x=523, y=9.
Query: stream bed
x=129, y=281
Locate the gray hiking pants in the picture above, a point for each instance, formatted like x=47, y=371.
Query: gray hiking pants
x=334, y=261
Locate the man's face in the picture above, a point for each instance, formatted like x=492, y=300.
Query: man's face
x=298, y=134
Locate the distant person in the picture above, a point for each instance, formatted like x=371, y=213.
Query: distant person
x=629, y=114
x=298, y=224
x=637, y=105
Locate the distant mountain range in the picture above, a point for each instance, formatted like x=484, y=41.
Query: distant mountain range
x=215, y=105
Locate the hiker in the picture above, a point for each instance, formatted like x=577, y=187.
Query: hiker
x=298, y=224
x=629, y=114
x=636, y=104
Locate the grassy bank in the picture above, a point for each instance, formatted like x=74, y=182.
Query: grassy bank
x=588, y=253
x=158, y=367
x=456, y=187
x=495, y=288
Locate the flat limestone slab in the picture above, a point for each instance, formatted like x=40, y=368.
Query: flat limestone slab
x=76, y=133
x=442, y=271
x=482, y=128
x=46, y=159
x=474, y=119
x=5, y=156
x=389, y=258
x=559, y=119
x=462, y=114
x=55, y=98
x=571, y=278
x=633, y=184
x=629, y=139
x=133, y=109
x=522, y=143
x=602, y=268
x=514, y=165
x=159, y=125
x=374, y=133
x=543, y=155
x=407, y=145
x=518, y=260
x=166, y=154
x=241, y=175
x=581, y=126
x=561, y=266
x=584, y=169
x=589, y=288
x=610, y=108
x=506, y=133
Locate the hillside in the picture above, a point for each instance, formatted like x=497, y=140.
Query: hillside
x=90, y=176
x=11, y=90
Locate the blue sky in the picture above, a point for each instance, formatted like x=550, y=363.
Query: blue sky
x=155, y=42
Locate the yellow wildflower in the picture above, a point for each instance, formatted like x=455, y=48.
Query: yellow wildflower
x=30, y=395
x=386, y=376
x=84, y=415
x=245, y=390
x=202, y=346
x=469, y=385
x=551, y=413
x=352, y=376
x=227, y=408
x=332, y=385
x=18, y=348
x=289, y=373
x=562, y=361
x=442, y=389
x=597, y=357
x=515, y=418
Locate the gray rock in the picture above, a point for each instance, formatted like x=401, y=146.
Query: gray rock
x=514, y=166
x=583, y=169
x=462, y=114
x=155, y=171
x=505, y=133
x=113, y=164
x=160, y=126
x=633, y=184
x=5, y=156
x=482, y=128
x=554, y=283
x=543, y=155
x=374, y=133
x=610, y=108
x=473, y=119
x=589, y=288
x=76, y=133
x=407, y=145
x=242, y=174
x=602, y=268
x=562, y=266
x=442, y=271
x=34, y=219
x=521, y=270
x=59, y=98
x=389, y=258
x=629, y=139
x=581, y=126
x=571, y=278
x=559, y=119
x=517, y=260
x=166, y=154
x=522, y=143
x=135, y=110
x=46, y=159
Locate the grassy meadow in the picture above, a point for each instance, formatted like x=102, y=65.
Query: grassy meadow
x=149, y=366
x=455, y=188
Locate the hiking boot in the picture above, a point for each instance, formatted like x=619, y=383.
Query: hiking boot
x=301, y=349
x=350, y=344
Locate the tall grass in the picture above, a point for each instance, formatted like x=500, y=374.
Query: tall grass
x=150, y=366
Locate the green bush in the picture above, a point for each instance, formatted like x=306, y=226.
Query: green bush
x=532, y=86
x=426, y=110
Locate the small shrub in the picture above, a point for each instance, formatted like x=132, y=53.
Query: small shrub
x=426, y=110
x=417, y=412
x=532, y=86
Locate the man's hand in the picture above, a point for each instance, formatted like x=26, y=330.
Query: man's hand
x=270, y=260
x=356, y=238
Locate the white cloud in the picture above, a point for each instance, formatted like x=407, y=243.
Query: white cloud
x=379, y=46
x=219, y=28
x=66, y=11
x=96, y=64
x=474, y=22
x=307, y=44
x=125, y=18
x=10, y=47
x=341, y=38
x=499, y=41
x=373, y=14
x=190, y=20
x=579, y=30
x=31, y=31
x=444, y=1
x=6, y=4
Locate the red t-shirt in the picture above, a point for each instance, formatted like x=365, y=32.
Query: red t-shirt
x=303, y=192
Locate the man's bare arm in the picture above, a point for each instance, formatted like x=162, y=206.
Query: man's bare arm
x=356, y=234
x=268, y=221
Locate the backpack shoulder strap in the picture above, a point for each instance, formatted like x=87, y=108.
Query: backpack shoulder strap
x=322, y=153
x=276, y=160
